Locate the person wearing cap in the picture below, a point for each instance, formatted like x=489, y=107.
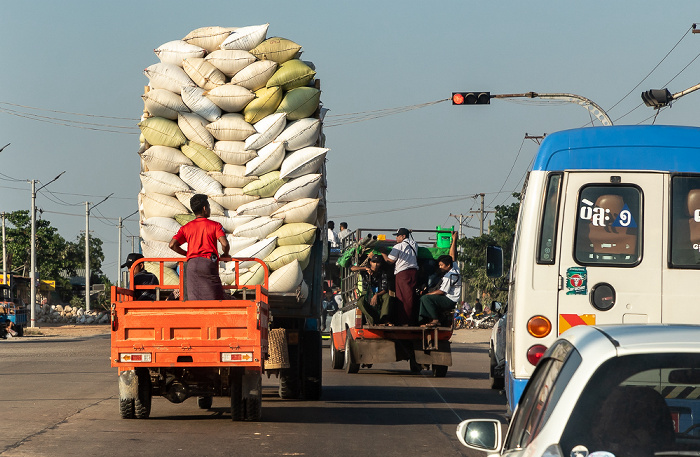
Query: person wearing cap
x=141, y=277
x=201, y=235
x=404, y=257
x=444, y=299
x=373, y=288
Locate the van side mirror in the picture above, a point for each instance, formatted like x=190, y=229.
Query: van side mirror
x=494, y=261
x=481, y=434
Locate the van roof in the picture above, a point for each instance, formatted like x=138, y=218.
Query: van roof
x=629, y=147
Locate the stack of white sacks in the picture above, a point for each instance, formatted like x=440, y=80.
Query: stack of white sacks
x=233, y=115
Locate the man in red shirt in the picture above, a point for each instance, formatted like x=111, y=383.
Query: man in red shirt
x=201, y=234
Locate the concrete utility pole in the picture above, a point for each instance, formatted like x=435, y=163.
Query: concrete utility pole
x=87, y=250
x=32, y=273
x=119, y=255
x=460, y=218
x=4, y=253
x=481, y=213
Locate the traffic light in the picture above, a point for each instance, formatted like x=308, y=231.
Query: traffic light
x=657, y=98
x=471, y=98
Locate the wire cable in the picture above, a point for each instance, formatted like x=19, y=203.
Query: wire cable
x=68, y=112
x=511, y=170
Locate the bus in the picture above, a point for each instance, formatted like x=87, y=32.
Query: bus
x=608, y=232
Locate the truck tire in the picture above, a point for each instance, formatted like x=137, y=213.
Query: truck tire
x=415, y=366
x=20, y=330
x=236, y=383
x=350, y=366
x=312, y=366
x=126, y=408
x=290, y=377
x=337, y=357
x=142, y=402
x=439, y=371
x=204, y=402
x=253, y=404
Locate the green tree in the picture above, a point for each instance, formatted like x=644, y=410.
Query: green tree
x=474, y=254
x=76, y=256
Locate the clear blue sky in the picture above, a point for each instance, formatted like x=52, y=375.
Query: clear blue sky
x=88, y=57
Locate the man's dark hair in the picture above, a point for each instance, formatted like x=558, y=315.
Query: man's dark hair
x=446, y=259
x=331, y=225
x=198, y=202
x=343, y=225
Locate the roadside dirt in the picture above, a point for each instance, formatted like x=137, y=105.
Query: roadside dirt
x=67, y=330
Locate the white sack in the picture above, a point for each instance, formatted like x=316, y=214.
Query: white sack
x=231, y=223
x=230, y=97
x=255, y=75
x=303, y=162
x=164, y=158
x=259, y=250
x=233, y=152
x=262, y=207
x=196, y=101
x=209, y=38
x=302, y=210
x=159, y=229
x=200, y=181
x=233, y=198
x=301, y=133
x=232, y=176
x=168, y=76
x=158, y=205
x=246, y=38
x=203, y=73
x=173, y=52
x=306, y=186
x=230, y=61
x=259, y=227
x=267, y=128
x=269, y=159
x=193, y=126
x=163, y=103
x=231, y=127
x=162, y=182
x=184, y=197
x=286, y=279
x=160, y=250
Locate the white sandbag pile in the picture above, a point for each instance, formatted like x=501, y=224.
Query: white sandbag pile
x=235, y=115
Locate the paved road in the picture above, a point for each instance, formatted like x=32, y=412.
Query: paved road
x=58, y=398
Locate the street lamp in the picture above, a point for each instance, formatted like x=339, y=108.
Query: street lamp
x=32, y=274
x=87, y=250
x=658, y=98
x=119, y=255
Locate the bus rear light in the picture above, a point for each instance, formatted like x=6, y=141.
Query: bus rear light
x=534, y=354
x=539, y=326
x=138, y=357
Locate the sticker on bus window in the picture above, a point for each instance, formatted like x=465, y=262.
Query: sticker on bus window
x=576, y=281
x=625, y=219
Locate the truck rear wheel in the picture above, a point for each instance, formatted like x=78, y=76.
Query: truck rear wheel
x=126, y=408
x=312, y=366
x=142, y=402
x=350, y=366
x=236, y=383
x=253, y=403
x=289, y=377
x=439, y=371
x=337, y=357
x=415, y=366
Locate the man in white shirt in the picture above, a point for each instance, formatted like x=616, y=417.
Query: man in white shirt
x=404, y=256
x=344, y=232
x=332, y=236
x=435, y=304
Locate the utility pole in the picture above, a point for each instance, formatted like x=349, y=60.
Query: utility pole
x=119, y=255
x=460, y=218
x=87, y=251
x=481, y=213
x=32, y=273
x=4, y=253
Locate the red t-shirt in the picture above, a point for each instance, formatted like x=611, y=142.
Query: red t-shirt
x=201, y=236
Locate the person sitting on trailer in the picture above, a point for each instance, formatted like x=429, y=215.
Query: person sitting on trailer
x=141, y=278
x=202, y=267
x=373, y=289
x=443, y=300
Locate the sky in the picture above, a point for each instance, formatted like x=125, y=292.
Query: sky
x=397, y=159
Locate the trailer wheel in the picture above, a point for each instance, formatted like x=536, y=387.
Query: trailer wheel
x=415, y=366
x=204, y=402
x=236, y=383
x=312, y=366
x=350, y=366
x=289, y=377
x=439, y=371
x=142, y=402
x=337, y=357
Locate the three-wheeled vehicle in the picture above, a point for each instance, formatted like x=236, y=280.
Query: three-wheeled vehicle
x=13, y=316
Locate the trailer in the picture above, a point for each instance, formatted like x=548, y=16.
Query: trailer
x=177, y=348
x=355, y=344
x=13, y=316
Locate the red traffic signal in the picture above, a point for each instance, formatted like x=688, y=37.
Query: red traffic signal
x=471, y=98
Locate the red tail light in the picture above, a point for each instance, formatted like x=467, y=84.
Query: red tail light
x=534, y=354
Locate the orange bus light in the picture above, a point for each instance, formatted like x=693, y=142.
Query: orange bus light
x=539, y=326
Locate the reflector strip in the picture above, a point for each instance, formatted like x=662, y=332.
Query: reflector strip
x=137, y=357
x=236, y=356
x=566, y=321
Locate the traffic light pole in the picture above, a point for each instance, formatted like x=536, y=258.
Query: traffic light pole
x=590, y=105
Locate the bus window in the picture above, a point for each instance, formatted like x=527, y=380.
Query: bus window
x=609, y=225
x=548, y=230
x=685, y=222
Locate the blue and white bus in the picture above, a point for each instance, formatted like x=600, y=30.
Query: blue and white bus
x=608, y=233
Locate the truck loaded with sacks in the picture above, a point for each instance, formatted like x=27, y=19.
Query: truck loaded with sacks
x=237, y=116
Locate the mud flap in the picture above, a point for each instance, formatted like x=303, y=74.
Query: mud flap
x=441, y=356
x=128, y=385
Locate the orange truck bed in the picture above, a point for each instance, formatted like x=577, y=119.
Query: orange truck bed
x=195, y=333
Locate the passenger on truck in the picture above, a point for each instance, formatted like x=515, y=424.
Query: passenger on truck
x=435, y=305
x=375, y=302
x=404, y=257
x=202, y=268
x=141, y=277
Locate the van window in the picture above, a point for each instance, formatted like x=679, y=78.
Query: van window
x=548, y=229
x=609, y=225
x=685, y=222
